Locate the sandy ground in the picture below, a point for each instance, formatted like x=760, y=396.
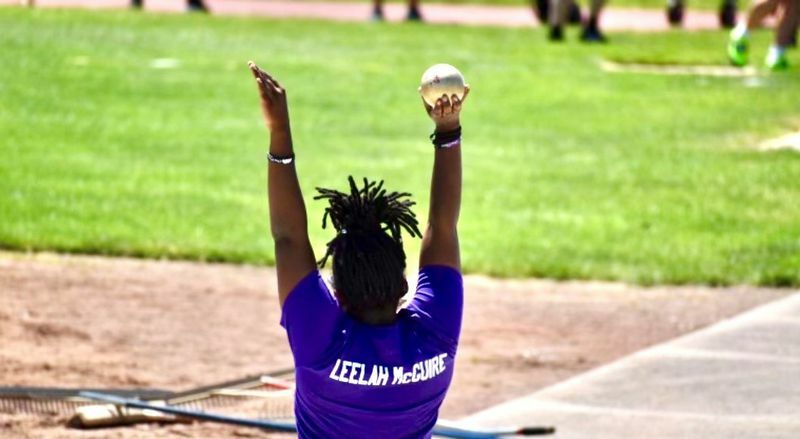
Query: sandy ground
x=89, y=321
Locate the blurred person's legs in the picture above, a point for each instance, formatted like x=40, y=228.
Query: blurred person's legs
x=377, y=10
x=786, y=29
x=412, y=15
x=413, y=11
x=560, y=11
x=557, y=17
x=740, y=35
x=591, y=30
x=776, y=56
x=787, y=26
x=574, y=15
x=136, y=4
x=196, y=6
x=795, y=24
x=675, y=11
x=541, y=8
x=727, y=14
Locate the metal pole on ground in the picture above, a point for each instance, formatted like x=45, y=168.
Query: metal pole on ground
x=449, y=431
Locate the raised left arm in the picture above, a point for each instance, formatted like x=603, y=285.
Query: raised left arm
x=440, y=241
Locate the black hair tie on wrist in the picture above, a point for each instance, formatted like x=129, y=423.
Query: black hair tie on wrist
x=446, y=139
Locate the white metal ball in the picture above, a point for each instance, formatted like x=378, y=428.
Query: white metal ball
x=441, y=79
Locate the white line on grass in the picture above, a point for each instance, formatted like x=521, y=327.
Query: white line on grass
x=789, y=141
x=676, y=69
x=164, y=63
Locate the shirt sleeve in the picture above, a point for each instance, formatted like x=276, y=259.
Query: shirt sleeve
x=439, y=301
x=311, y=317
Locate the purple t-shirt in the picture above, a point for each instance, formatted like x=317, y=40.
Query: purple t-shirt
x=356, y=380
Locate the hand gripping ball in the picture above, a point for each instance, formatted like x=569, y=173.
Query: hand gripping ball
x=441, y=79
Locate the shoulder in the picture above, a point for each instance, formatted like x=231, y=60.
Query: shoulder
x=312, y=319
x=438, y=302
x=311, y=290
x=441, y=282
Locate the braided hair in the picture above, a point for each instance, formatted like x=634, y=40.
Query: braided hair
x=368, y=258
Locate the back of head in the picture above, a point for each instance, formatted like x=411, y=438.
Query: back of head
x=368, y=258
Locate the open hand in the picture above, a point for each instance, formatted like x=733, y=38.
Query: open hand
x=447, y=110
x=273, y=99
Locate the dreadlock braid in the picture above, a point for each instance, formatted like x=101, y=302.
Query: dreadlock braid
x=368, y=257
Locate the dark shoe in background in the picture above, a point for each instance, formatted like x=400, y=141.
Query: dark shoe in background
x=675, y=10
x=556, y=33
x=377, y=14
x=727, y=14
x=414, y=15
x=196, y=6
x=591, y=34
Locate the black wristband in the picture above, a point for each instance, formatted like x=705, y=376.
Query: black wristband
x=446, y=139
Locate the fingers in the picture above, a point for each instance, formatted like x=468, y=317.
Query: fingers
x=273, y=83
x=265, y=79
x=262, y=85
x=456, y=103
x=253, y=68
x=446, y=106
x=267, y=82
x=263, y=90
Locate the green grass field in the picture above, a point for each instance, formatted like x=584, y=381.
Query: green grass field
x=570, y=172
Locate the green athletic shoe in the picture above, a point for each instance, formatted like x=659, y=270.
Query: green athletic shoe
x=776, y=62
x=737, y=51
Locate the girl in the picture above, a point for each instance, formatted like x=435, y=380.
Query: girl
x=363, y=368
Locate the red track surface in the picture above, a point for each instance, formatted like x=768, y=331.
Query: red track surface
x=613, y=19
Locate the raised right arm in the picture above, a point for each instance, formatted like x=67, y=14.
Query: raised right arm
x=294, y=257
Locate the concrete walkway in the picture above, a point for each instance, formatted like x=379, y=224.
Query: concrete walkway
x=737, y=379
x=613, y=19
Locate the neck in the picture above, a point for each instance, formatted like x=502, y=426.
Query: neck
x=380, y=316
